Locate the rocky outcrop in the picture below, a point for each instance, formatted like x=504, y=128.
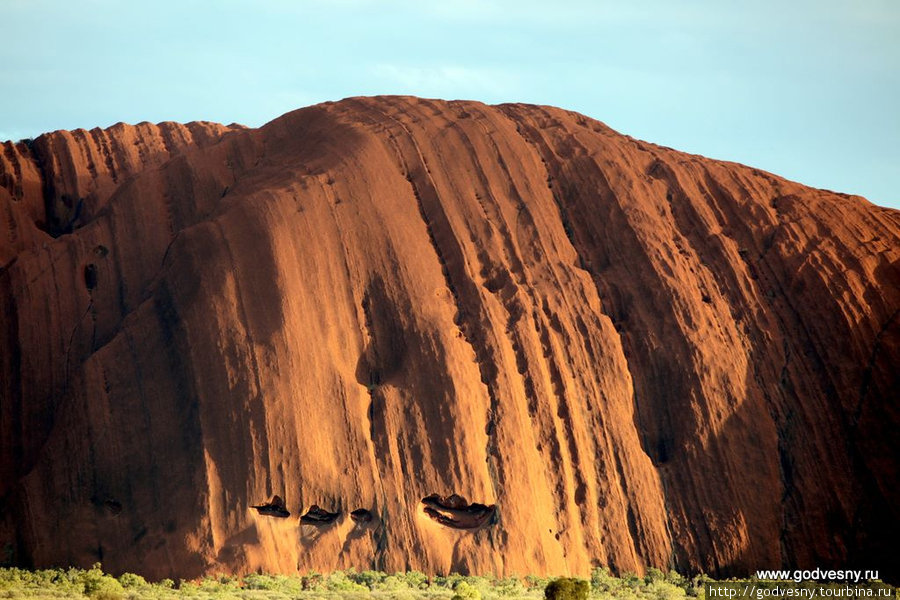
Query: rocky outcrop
x=62, y=180
x=626, y=355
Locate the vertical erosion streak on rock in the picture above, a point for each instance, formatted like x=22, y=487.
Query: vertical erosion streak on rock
x=128, y=481
x=227, y=328
x=614, y=448
x=755, y=276
x=622, y=234
x=470, y=317
x=21, y=200
x=59, y=322
x=423, y=360
x=878, y=414
x=566, y=418
x=12, y=425
x=53, y=338
x=762, y=286
x=407, y=373
x=503, y=324
x=733, y=287
x=441, y=373
x=466, y=246
x=818, y=371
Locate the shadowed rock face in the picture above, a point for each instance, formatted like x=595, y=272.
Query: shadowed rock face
x=626, y=355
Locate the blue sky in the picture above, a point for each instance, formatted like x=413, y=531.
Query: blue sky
x=808, y=89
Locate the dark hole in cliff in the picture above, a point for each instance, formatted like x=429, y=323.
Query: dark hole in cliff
x=361, y=515
x=273, y=508
x=90, y=276
x=62, y=213
x=455, y=511
x=318, y=516
x=663, y=451
x=101, y=250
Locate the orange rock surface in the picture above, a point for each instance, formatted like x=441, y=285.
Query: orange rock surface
x=447, y=337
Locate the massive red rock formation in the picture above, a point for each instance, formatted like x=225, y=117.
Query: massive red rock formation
x=447, y=336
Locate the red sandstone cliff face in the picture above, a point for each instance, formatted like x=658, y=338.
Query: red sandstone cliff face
x=448, y=337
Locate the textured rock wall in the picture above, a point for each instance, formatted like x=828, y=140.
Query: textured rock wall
x=448, y=337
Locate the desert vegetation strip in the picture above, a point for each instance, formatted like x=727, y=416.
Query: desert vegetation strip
x=95, y=584
x=353, y=585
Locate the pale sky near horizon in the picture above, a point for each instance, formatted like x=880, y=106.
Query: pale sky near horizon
x=807, y=89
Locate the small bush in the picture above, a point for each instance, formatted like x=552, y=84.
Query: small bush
x=416, y=580
x=653, y=574
x=339, y=582
x=132, y=581
x=312, y=581
x=567, y=588
x=100, y=586
x=254, y=581
x=602, y=581
x=370, y=579
x=464, y=591
x=448, y=581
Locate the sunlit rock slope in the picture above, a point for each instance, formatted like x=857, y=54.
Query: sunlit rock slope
x=412, y=334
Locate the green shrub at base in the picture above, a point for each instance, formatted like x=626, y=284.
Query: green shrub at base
x=132, y=581
x=464, y=591
x=567, y=588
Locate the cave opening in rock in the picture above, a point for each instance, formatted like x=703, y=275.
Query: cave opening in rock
x=362, y=515
x=273, y=508
x=90, y=276
x=318, y=516
x=456, y=512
